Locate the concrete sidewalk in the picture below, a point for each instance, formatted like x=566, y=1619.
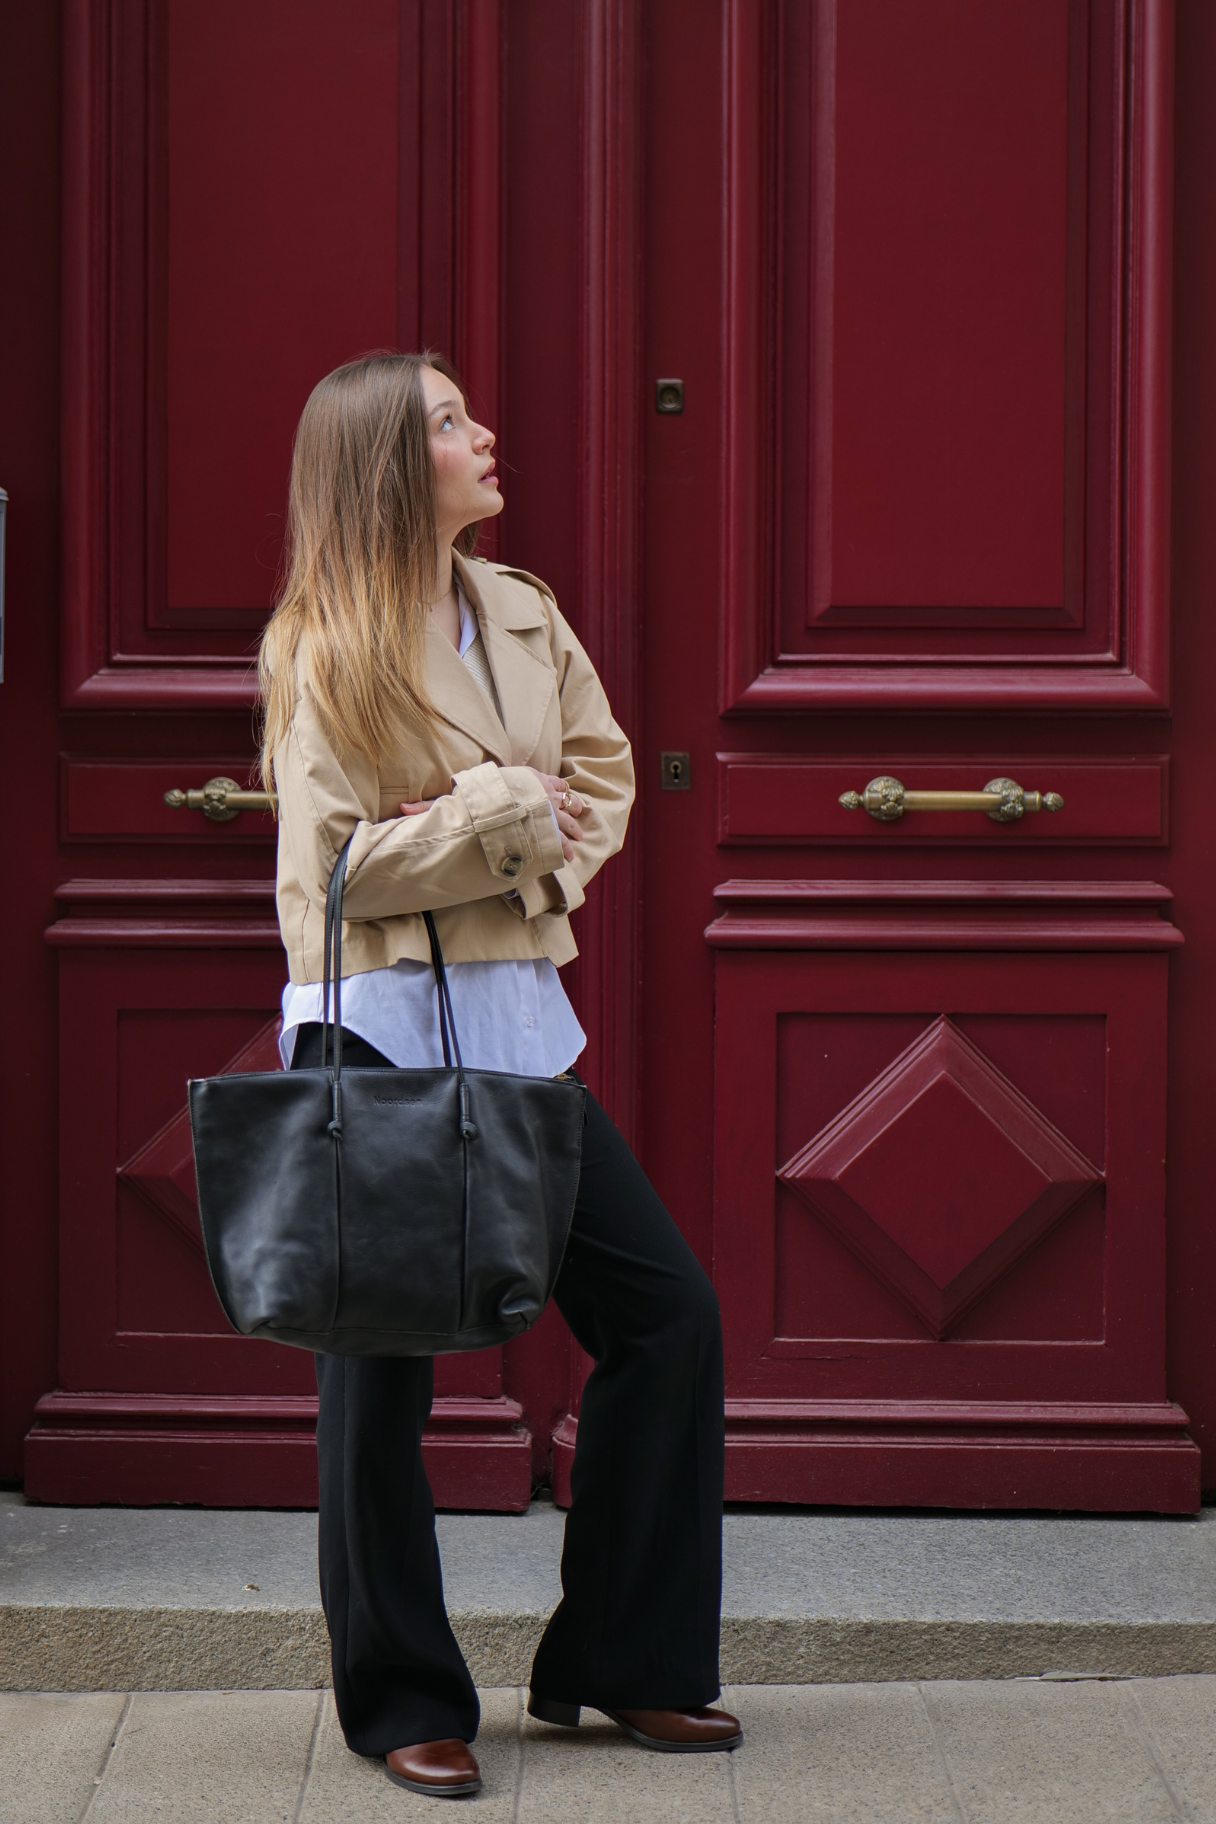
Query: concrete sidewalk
x=163, y=1599
x=950, y=1753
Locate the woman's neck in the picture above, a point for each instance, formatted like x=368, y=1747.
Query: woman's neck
x=445, y=608
x=443, y=571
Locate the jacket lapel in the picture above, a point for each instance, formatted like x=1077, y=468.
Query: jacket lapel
x=460, y=699
x=524, y=683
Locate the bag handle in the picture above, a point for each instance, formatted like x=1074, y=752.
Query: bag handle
x=333, y=903
x=332, y=967
x=447, y=1020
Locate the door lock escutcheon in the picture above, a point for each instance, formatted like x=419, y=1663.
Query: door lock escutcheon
x=675, y=772
x=1003, y=800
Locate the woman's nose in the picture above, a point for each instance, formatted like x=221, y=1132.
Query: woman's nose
x=483, y=439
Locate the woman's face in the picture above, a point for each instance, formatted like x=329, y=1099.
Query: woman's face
x=466, y=487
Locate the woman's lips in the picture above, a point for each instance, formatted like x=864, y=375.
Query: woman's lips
x=490, y=477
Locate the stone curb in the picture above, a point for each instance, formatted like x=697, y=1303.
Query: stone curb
x=77, y=1647
x=758, y=1650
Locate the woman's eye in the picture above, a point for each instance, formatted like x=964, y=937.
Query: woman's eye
x=447, y=423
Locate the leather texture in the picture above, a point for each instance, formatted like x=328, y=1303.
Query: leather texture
x=385, y=1212
x=702, y=1730
x=441, y=1769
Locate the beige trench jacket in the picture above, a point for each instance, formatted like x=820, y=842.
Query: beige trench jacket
x=486, y=858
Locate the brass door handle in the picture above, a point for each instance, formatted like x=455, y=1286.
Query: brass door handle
x=1001, y=799
x=220, y=799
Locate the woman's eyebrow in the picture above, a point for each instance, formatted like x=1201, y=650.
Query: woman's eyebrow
x=445, y=405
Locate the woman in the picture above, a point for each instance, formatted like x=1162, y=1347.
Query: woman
x=440, y=710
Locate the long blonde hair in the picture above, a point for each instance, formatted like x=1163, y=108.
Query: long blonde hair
x=360, y=560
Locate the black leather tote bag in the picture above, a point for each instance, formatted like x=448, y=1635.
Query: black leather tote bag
x=385, y=1212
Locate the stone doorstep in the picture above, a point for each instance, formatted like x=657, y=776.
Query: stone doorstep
x=96, y=1599
x=65, y=1647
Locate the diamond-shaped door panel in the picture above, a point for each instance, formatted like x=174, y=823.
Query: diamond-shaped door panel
x=940, y=1175
x=162, y=1171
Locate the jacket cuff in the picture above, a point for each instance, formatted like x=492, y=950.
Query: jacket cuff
x=556, y=892
x=509, y=810
x=533, y=802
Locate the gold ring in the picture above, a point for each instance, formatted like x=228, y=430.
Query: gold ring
x=567, y=799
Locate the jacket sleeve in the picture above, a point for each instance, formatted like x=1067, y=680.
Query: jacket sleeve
x=597, y=761
x=493, y=832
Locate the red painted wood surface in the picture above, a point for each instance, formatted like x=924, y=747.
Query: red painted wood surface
x=209, y=281
x=926, y=511
x=788, y=799
x=115, y=800
x=938, y=1174
x=242, y=254
x=915, y=264
x=957, y=456
x=356, y=197
x=942, y=914
x=944, y=277
x=245, y=1451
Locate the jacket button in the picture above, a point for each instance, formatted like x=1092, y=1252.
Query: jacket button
x=512, y=864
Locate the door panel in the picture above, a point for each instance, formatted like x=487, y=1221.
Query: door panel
x=157, y=984
x=943, y=276
x=938, y=1177
x=115, y=800
x=794, y=799
x=282, y=256
x=145, y=1004
x=913, y=520
x=249, y=199
x=935, y=505
x=937, y=1097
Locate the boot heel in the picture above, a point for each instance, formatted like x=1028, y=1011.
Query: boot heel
x=545, y=1710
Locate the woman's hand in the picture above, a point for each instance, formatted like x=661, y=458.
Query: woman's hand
x=567, y=806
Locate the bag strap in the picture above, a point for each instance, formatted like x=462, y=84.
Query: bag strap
x=331, y=965
x=447, y=1021
x=332, y=968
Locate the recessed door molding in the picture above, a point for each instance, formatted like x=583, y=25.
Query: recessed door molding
x=1098, y=641
x=939, y=1202
x=126, y=643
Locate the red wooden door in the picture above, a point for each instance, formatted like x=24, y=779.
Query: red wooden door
x=251, y=195
x=907, y=1086
x=907, y=1080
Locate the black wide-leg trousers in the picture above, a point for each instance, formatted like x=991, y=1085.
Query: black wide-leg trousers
x=637, y=1625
